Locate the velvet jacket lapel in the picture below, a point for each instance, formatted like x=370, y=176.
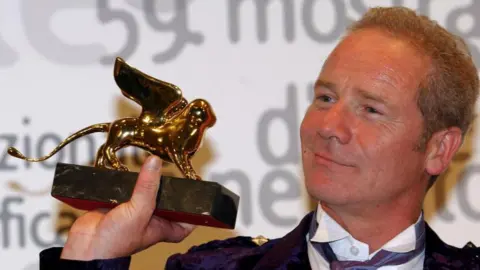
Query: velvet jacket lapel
x=290, y=252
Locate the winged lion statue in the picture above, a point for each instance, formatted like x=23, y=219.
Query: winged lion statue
x=168, y=126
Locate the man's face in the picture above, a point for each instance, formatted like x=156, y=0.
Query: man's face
x=359, y=135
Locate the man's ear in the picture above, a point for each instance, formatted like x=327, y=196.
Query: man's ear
x=441, y=148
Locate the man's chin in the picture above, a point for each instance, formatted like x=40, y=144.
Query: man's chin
x=326, y=192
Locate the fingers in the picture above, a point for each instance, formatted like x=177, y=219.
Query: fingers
x=162, y=230
x=180, y=231
x=144, y=195
x=186, y=226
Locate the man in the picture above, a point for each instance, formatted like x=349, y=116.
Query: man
x=392, y=104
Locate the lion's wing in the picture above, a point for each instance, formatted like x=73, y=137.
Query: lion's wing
x=155, y=96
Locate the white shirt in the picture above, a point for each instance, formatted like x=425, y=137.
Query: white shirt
x=346, y=247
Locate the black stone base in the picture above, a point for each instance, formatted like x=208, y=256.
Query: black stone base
x=179, y=199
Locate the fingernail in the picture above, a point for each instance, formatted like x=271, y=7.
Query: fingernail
x=186, y=226
x=154, y=163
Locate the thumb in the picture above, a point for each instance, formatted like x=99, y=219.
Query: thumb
x=144, y=195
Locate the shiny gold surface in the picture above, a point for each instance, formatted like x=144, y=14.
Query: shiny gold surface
x=259, y=240
x=168, y=125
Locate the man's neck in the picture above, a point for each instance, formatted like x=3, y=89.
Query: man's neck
x=375, y=225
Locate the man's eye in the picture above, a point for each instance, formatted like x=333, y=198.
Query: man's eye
x=324, y=98
x=371, y=110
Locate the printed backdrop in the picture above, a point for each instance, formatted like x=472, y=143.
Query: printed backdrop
x=254, y=61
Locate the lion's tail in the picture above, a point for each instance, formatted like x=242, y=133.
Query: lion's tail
x=103, y=127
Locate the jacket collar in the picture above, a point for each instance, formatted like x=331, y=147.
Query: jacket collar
x=439, y=255
x=290, y=251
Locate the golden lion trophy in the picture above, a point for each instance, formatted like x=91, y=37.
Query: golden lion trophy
x=169, y=127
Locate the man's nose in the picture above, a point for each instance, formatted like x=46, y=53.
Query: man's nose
x=336, y=123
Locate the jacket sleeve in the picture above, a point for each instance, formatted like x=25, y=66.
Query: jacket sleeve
x=50, y=259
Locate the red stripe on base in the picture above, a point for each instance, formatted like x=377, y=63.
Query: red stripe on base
x=170, y=215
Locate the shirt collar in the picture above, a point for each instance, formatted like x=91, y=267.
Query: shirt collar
x=328, y=230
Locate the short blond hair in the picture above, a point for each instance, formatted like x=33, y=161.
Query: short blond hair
x=449, y=92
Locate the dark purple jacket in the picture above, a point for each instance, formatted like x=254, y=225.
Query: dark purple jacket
x=288, y=252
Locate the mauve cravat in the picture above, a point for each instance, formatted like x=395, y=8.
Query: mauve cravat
x=382, y=258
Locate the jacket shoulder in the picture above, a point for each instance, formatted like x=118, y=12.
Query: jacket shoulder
x=241, y=252
x=450, y=257
x=440, y=255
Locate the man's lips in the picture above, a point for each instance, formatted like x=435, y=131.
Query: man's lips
x=322, y=158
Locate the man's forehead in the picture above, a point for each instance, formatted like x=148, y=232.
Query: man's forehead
x=345, y=71
x=368, y=43
x=375, y=56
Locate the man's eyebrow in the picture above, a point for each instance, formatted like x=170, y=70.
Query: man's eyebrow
x=372, y=96
x=326, y=84
x=362, y=92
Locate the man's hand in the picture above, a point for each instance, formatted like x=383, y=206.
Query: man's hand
x=128, y=228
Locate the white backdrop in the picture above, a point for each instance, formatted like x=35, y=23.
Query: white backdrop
x=254, y=61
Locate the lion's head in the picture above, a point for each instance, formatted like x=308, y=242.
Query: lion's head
x=202, y=113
